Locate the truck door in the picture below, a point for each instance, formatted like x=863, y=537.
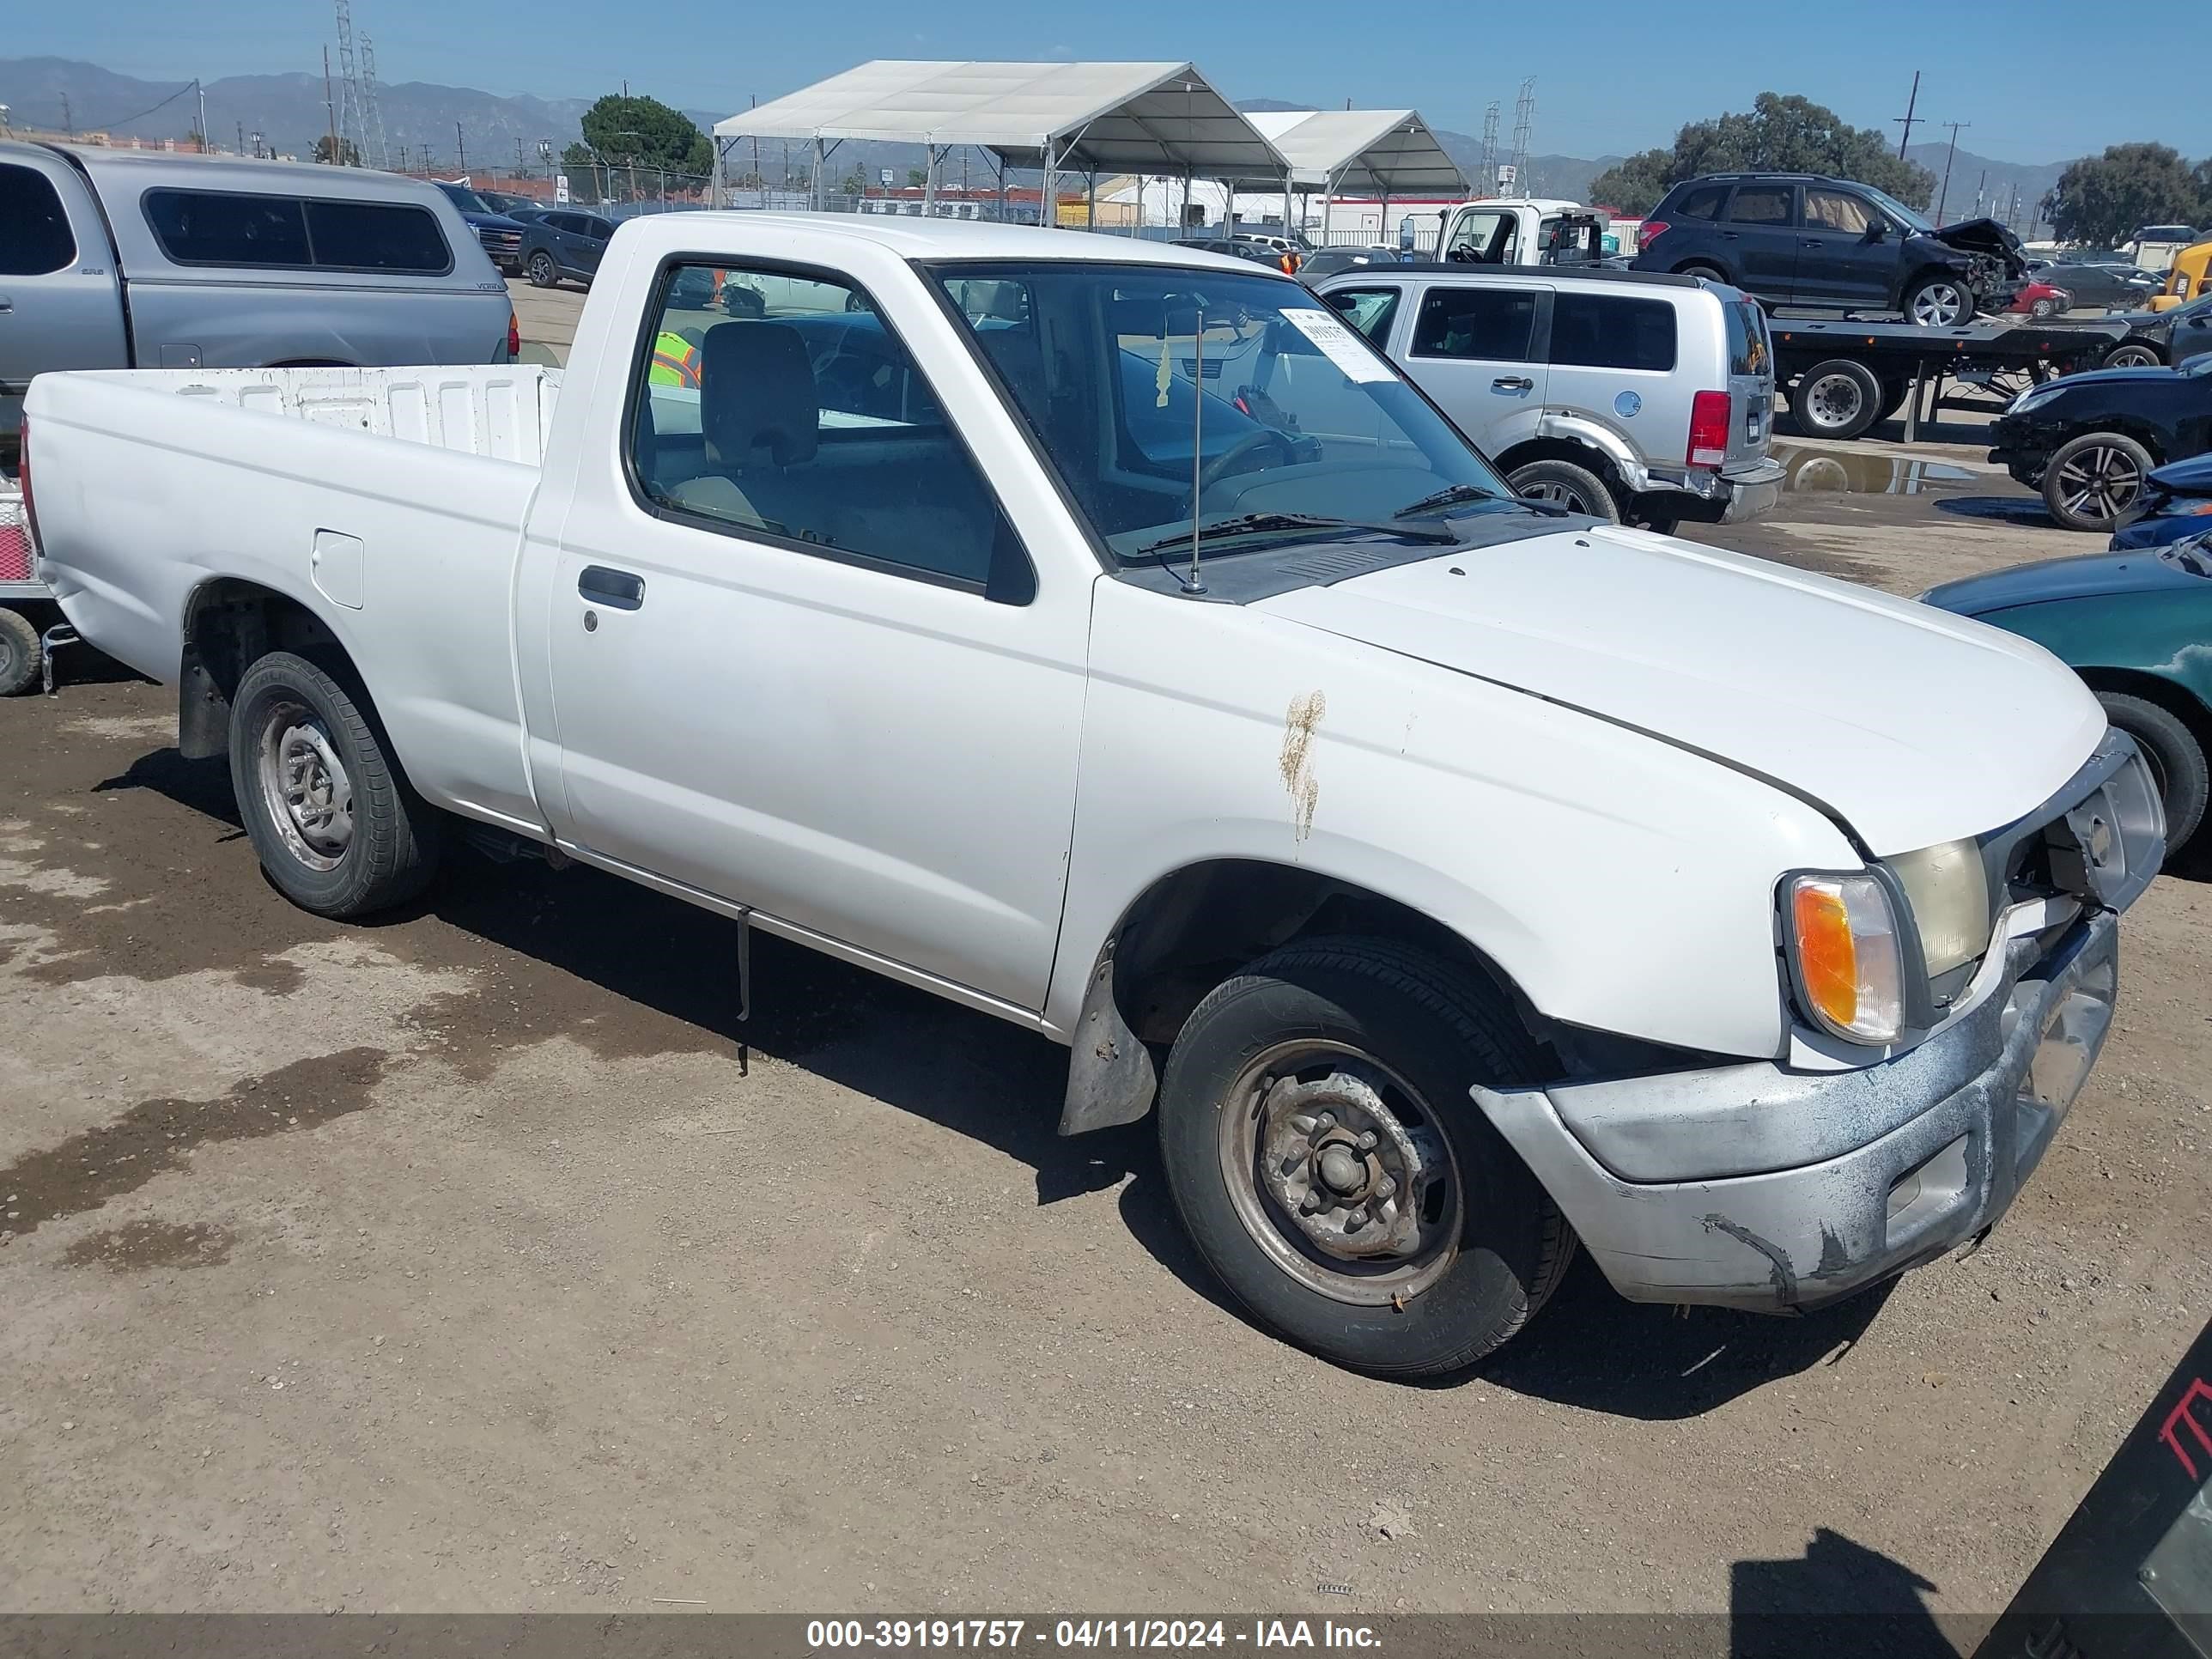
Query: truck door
x=795, y=654
x=61, y=305
x=1838, y=262
x=1487, y=236
x=1759, y=238
x=1477, y=349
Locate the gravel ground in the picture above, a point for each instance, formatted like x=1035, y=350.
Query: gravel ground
x=458, y=1263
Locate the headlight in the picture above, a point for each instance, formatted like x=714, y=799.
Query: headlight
x=2033, y=396
x=1949, y=892
x=1843, y=956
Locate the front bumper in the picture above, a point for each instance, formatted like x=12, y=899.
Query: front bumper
x=1768, y=1187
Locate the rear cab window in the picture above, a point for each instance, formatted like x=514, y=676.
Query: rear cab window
x=35, y=239
x=252, y=230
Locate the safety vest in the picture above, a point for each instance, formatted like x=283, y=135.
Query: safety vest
x=675, y=361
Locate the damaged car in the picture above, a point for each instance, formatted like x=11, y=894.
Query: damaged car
x=1796, y=238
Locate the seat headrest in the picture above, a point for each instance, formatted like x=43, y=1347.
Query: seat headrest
x=756, y=392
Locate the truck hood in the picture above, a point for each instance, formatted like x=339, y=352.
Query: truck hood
x=2092, y=576
x=1984, y=236
x=1910, y=725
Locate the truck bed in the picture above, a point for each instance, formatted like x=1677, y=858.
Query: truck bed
x=295, y=481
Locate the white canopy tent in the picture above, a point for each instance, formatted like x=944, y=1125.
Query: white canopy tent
x=1117, y=117
x=1378, y=152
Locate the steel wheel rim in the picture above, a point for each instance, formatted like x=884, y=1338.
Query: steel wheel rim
x=2100, y=482
x=1559, y=494
x=304, y=785
x=1930, y=310
x=1834, y=400
x=1327, y=1201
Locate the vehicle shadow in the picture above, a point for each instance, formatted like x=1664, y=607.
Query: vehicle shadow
x=2005, y=509
x=1841, y=1596
x=671, y=969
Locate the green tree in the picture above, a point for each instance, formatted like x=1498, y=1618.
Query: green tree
x=915, y=178
x=2101, y=199
x=644, y=132
x=348, y=153
x=1779, y=135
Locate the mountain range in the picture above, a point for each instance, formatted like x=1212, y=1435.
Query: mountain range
x=460, y=128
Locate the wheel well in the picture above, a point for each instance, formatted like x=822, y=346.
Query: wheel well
x=1563, y=449
x=2176, y=700
x=229, y=625
x=2140, y=432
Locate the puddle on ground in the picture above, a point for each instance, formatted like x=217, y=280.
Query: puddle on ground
x=104, y=1162
x=1862, y=473
x=138, y=1245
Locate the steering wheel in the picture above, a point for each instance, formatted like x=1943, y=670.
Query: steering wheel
x=1219, y=467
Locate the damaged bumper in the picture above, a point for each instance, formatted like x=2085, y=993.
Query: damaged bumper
x=1946, y=1133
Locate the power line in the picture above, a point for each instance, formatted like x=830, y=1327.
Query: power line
x=101, y=126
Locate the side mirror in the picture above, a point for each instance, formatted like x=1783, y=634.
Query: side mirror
x=1877, y=227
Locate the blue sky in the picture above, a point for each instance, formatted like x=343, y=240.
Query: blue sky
x=1612, y=75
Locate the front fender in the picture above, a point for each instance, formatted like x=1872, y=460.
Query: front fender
x=1621, y=883
x=2160, y=635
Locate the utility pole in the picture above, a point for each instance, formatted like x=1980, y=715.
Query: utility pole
x=202, y=91
x=1524, y=127
x=1485, y=182
x=1911, y=104
x=67, y=126
x=242, y=137
x=330, y=109
x=1949, y=156
x=461, y=148
x=1980, y=184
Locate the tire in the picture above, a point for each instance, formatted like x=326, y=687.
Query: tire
x=2043, y=309
x=1836, y=399
x=362, y=839
x=20, y=653
x=2090, y=482
x=543, y=273
x=1698, y=268
x=2176, y=757
x=1895, y=395
x=1342, y=1020
x=1939, y=300
x=1575, y=488
x=2134, y=353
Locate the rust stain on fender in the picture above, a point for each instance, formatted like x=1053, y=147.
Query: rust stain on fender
x=1299, y=724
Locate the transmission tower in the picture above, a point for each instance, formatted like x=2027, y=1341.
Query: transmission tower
x=1486, y=181
x=349, y=122
x=383, y=150
x=1524, y=126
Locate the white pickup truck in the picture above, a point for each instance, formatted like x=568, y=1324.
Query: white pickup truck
x=1101, y=635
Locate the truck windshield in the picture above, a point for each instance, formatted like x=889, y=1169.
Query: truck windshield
x=1147, y=386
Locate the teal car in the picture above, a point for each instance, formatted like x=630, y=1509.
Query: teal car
x=2137, y=628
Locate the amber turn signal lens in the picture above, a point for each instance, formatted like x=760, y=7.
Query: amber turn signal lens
x=1844, y=948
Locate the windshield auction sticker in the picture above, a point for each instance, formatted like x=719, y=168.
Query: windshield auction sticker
x=1335, y=343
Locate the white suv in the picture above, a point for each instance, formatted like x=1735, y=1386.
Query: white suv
x=1626, y=395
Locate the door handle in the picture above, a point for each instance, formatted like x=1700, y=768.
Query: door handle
x=1512, y=383
x=617, y=588
x=6, y=304
x=1729, y=236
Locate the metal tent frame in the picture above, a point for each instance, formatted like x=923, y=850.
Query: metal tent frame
x=1383, y=152
x=1145, y=119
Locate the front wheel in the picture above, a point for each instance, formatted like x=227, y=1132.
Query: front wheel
x=543, y=273
x=2134, y=354
x=1322, y=1151
x=1563, y=483
x=2091, y=480
x=2177, y=760
x=337, y=827
x=1937, y=300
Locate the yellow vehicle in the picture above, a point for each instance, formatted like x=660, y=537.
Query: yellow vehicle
x=2186, y=281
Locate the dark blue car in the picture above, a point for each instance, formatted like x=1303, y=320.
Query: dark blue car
x=2177, y=501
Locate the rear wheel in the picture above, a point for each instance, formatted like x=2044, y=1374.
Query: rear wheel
x=2092, y=480
x=1322, y=1151
x=1563, y=483
x=2177, y=759
x=20, y=653
x=1710, y=273
x=1836, y=399
x=337, y=828
x=2134, y=354
x=543, y=273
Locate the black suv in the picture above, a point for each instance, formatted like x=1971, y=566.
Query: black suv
x=1794, y=239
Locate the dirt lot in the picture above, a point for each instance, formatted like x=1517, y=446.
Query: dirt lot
x=456, y=1263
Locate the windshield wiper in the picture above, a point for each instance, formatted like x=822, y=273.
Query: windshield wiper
x=1454, y=494
x=1248, y=523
